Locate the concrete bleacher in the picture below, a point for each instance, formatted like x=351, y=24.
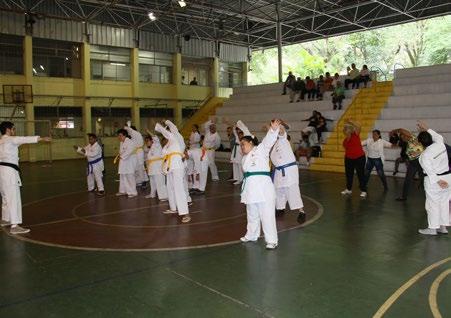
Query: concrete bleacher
x=418, y=93
x=256, y=105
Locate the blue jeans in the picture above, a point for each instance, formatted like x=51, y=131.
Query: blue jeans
x=372, y=163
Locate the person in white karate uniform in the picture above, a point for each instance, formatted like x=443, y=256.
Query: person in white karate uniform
x=258, y=192
x=286, y=176
x=194, y=139
x=154, y=165
x=437, y=181
x=174, y=168
x=236, y=157
x=93, y=153
x=199, y=171
x=10, y=181
x=212, y=141
x=127, y=165
x=141, y=177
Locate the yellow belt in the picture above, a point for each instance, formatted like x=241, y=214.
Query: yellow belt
x=118, y=156
x=150, y=161
x=138, y=149
x=210, y=149
x=167, y=158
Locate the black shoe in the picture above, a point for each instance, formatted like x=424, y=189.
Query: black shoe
x=279, y=212
x=284, y=93
x=401, y=199
x=302, y=217
x=100, y=193
x=395, y=172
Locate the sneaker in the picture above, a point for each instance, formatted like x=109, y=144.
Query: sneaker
x=237, y=182
x=100, y=193
x=442, y=230
x=93, y=190
x=346, y=192
x=163, y=200
x=132, y=195
x=244, y=239
x=271, y=246
x=302, y=217
x=186, y=219
x=19, y=230
x=120, y=194
x=428, y=231
x=4, y=223
x=149, y=196
x=170, y=212
x=363, y=195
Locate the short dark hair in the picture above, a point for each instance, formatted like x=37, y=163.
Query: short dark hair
x=133, y=127
x=122, y=132
x=251, y=140
x=5, y=125
x=92, y=135
x=425, y=139
x=377, y=131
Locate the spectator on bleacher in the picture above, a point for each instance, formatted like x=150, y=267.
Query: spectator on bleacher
x=304, y=150
x=312, y=120
x=328, y=80
x=321, y=126
x=298, y=88
x=354, y=157
x=353, y=77
x=413, y=152
x=336, y=79
x=288, y=82
x=320, y=88
x=193, y=82
x=364, y=76
x=310, y=88
x=338, y=95
x=309, y=146
x=375, y=156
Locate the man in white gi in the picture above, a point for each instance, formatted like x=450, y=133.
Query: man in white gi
x=127, y=165
x=10, y=181
x=437, y=180
x=137, y=138
x=155, y=169
x=194, y=138
x=93, y=153
x=199, y=171
x=212, y=141
x=286, y=176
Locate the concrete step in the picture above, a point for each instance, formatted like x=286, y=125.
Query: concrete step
x=422, y=71
x=421, y=89
x=416, y=112
x=435, y=78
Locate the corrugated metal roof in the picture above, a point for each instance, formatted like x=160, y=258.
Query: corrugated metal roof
x=157, y=42
x=12, y=23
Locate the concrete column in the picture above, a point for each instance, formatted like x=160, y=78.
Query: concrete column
x=86, y=76
x=215, y=77
x=279, y=42
x=245, y=68
x=29, y=107
x=177, y=80
x=134, y=62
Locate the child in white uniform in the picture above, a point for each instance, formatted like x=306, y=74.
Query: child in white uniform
x=127, y=165
x=154, y=164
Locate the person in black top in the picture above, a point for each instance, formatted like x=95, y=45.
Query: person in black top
x=193, y=82
x=288, y=82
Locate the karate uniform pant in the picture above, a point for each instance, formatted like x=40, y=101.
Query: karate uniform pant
x=437, y=203
x=11, y=203
x=158, y=186
x=259, y=215
x=95, y=177
x=237, y=172
x=127, y=184
x=202, y=182
x=186, y=187
x=176, y=191
x=140, y=173
x=292, y=195
x=212, y=165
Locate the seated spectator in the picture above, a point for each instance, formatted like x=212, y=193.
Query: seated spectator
x=321, y=125
x=336, y=78
x=309, y=146
x=328, y=80
x=353, y=77
x=338, y=95
x=364, y=76
x=288, y=82
x=313, y=120
x=310, y=88
x=304, y=151
x=320, y=88
x=298, y=88
x=193, y=82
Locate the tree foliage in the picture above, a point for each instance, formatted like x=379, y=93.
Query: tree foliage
x=420, y=43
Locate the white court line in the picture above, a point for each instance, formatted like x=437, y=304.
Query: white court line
x=217, y=292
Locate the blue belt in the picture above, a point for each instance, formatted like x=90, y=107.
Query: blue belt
x=294, y=163
x=91, y=163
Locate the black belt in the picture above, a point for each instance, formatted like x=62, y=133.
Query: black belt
x=12, y=165
x=440, y=174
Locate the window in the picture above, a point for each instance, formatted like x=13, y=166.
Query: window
x=155, y=67
x=110, y=63
x=196, y=69
x=53, y=58
x=66, y=122
x=11, y=54
x=107, y=120
x=230, y=74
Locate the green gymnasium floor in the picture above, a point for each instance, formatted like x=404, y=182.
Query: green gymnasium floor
x=348, y=263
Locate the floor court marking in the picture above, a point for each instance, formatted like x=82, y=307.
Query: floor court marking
x=217, y=292
x=434, y=291
x=393, y=298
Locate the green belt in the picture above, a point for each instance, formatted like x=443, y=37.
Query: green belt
x=254, y=173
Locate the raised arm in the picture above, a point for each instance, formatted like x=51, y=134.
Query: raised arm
x=27, y=140
x=243, y=128
x=270, y=138
x=437, y=138
x=356, y=125
x=166, y=134
x=172, y=127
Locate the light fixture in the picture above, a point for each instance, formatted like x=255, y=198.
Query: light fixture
x=42, y=67
x=117, y=64
x=34, y=71
x=152, y=16
x=182, y=3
